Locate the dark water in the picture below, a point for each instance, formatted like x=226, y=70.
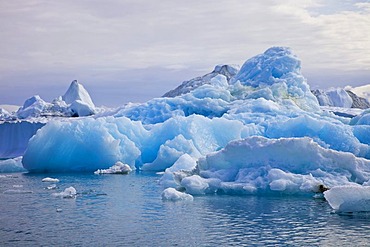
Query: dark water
x=119, y=210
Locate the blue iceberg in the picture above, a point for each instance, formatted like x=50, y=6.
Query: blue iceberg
x=254, y=130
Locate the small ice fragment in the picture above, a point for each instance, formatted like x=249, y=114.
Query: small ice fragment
x=59, y=210
x=69, y=192
x=52, y=187
x=50, y=180
x=17, y=186
x=171, y=194
x=118, y=168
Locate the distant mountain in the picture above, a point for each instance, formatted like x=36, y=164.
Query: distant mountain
x=339, y=97
x=228, y=71
x=358, y=102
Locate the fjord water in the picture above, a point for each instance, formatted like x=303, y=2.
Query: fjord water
x=127, y=210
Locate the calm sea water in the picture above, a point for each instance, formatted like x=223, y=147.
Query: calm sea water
x=119, y=210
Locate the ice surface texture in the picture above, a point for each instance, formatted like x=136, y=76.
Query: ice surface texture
x=259, y=129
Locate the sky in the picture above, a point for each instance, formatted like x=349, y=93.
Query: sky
x=134, y=50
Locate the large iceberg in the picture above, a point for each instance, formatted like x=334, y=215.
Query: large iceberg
x=254, y=130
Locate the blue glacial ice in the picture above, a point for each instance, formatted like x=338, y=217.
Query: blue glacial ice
x=254, y=130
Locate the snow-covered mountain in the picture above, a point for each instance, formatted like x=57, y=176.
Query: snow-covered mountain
x=341, y=97
x=228, y=71
x=361, y=91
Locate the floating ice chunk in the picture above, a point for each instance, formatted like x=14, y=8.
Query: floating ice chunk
x=350, y=198
x=117, y=168
x=171, y=194
x=50, y=180
x=69, y=192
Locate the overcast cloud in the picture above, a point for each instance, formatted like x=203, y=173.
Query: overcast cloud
x=135, y=50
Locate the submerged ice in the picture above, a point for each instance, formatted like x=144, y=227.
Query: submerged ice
x=254, y=130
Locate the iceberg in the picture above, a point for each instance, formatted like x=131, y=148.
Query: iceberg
x=257, y=129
